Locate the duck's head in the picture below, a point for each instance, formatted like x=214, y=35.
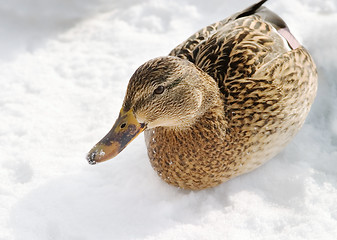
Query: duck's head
x=166, y=92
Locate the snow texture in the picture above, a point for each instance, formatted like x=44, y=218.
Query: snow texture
x=64, y=67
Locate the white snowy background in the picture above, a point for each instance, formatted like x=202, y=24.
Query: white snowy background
x=64, y=67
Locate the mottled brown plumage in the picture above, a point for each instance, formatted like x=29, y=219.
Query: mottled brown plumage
x=235, y=93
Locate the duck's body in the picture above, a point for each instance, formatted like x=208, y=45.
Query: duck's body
x=251, y=85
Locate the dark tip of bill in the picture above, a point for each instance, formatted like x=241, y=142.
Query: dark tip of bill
x=91, y=157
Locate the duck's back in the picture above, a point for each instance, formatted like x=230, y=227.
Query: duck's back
x=238, y=46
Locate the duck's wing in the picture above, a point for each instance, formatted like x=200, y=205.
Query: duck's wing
x=273, y=104
x=286, y=85
x=237, y=46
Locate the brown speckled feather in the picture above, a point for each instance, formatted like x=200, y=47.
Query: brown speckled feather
x=265, y=93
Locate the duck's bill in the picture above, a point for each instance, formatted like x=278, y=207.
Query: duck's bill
x=125, y=129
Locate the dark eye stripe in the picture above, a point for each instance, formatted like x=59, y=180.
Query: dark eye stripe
x=174, y=83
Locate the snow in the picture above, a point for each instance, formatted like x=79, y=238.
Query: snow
x=64, y=68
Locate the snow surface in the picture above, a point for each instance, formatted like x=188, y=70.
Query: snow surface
x=64, y=67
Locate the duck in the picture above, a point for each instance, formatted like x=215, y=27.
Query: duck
x=220, y=104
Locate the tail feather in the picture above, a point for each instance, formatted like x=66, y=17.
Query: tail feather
x=250, y=10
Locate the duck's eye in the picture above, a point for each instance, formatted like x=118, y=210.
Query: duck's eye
x=159, y=90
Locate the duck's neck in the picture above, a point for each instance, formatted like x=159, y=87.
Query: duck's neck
x=211, y=103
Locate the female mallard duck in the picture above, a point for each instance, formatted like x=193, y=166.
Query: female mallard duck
x=222, y=103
